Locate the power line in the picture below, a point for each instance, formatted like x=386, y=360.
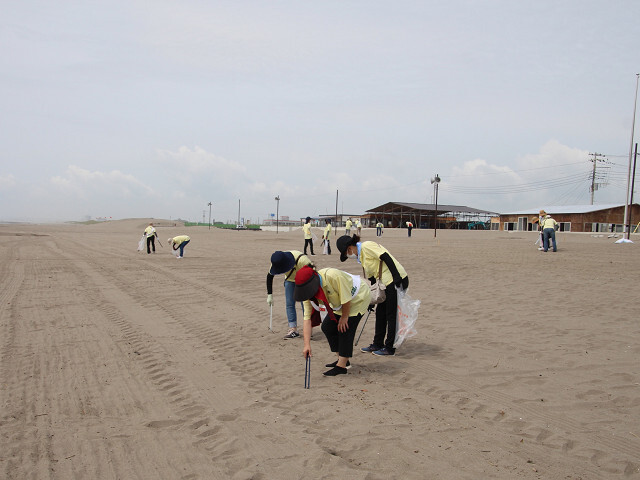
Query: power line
x=510, y=172
x=522, y=187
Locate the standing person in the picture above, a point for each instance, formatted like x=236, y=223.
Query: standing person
x=409, y=228
x=549, y=226
x=347, y=226
x=379, y=229
x=345, y=298
x=308, y=239
x=359, y=227
x=151, y=234
x=379, y=266
x=536, y=222
x=288, y=262
x=325, y=238
x=180, y=241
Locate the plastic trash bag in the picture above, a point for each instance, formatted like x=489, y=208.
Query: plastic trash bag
x=141, y=244
x=407, y=316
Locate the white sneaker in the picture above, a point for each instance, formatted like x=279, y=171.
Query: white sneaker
x=178, y=257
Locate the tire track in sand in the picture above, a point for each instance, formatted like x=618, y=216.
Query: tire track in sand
x=213, y=418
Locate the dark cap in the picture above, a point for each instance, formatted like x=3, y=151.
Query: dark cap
x=281, y=262
x=343, y=243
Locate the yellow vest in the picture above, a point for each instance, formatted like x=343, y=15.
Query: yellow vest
x=370, y=253
x=337, y=286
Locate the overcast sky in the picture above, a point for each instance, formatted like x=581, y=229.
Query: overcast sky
x=155, y=108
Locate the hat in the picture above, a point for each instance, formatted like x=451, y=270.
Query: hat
x=308, y=219
x=542, y=212
x=307, y=284
x=343, y=243
x=170, y=240
x=281, y=262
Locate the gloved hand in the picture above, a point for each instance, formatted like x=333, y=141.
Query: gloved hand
x=371, y=307
x=270, y=299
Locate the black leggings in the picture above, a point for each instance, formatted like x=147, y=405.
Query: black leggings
x=386, y=317
x=308, y=241
x=151, y=241
x=338, y=341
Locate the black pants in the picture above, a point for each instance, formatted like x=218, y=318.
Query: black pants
x=308, y=241
x=386, y=317
x=151, y=241
x=340, y=342
x=409, y=229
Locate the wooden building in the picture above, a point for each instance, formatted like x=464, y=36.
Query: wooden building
x=607, y=218
x=425, y=215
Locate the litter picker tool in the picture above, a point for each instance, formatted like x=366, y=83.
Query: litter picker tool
x=158, y=238
x=363, y=325
x=307, y=372
x=271, y=318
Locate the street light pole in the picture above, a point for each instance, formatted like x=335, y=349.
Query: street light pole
x=435, y=181
x=209, y=215
x=277, y=199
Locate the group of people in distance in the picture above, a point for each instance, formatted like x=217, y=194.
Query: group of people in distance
x=179, y=242
x=337, y=300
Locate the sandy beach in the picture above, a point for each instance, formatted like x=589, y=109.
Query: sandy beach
x=116, y=364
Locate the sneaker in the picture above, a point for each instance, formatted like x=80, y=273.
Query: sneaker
x=292, y=334
x=370, y=349
x=335, y=364
x=335, y=371
x=383, y=352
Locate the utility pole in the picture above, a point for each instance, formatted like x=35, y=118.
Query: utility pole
x=337, y=209
x=209, y=215
x=633, y=182
x=626, y=199
x=594, y=185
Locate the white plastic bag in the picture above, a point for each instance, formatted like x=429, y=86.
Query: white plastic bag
x=407, y=316
x=141, y=244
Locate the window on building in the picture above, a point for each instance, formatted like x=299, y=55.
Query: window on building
x=564, y=226
x=509, y=226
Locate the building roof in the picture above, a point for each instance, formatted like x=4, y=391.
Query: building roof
x=391, y=207
x=564, y=209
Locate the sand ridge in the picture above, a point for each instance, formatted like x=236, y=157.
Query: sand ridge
x=119, y=364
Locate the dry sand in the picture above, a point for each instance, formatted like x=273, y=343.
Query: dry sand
x=121, y=365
